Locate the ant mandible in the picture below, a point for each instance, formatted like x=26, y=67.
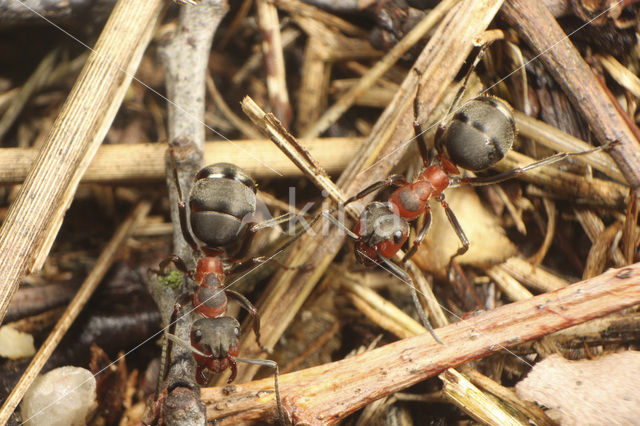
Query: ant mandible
x=476, y=137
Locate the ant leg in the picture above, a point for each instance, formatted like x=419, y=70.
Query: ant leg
x=272, y=222
x=182, y=206
x=246, y=304
x=453, y=220
x=178, y=262
x=274, y=365
x=247, y=264
x=479, y=181
x=404, y=276
x=420, y=236
x=417, y=128
x=391, y=180
x=456, y=100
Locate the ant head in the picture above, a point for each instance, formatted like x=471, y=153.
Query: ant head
x=216, y=336
x=480, y=133
x=382, y=229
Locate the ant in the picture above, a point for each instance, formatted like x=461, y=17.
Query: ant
x=222, y=198
x=475, y=137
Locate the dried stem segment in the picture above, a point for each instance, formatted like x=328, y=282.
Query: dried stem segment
x=536, y=24
x=145, y=161
x=104, y=262
x=33, y=220
x=371, y=76
x=474, y=402
x=327, y=393
x=274, y=60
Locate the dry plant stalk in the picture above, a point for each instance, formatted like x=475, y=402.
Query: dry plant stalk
x=327, y=393
x=274, y=60
x=609, y=124
x=33, y=220
x=599, y=191
x=560, y=141
x=145, y=161
x=37, y=80
x=438, y=63
x=110, y=253
x=332, y=114
x=479, y=406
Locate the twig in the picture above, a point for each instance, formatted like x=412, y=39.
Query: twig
x=104, y=262
x=327, y=393
x=588, y=94
x=185, y=60
x=33, y=220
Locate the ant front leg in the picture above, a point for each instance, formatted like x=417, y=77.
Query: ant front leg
x=177, y=262
x=420, y=236
x=404, y=276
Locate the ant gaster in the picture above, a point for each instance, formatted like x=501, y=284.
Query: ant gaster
x=476, y=137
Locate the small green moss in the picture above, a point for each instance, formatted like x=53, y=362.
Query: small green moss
x=173, y=279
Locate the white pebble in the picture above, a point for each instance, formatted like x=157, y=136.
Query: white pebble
x=15, y=344
x=60, y=397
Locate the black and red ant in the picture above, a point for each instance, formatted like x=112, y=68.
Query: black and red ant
x=477, y=136
x=221, y=206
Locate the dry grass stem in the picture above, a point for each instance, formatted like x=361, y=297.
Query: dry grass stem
x=274, y=60
x=535, y=414
x=333, y=113
x=35, y=81
x=485, y=409
x=533, y=276
x=145, y=161
x=560, y=141
x=594, y=190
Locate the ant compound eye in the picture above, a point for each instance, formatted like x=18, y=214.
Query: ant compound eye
x=197, y=335
x=397, y=237
x=236, y=331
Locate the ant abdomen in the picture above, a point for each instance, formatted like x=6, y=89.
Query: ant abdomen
x=480, y=133
x=221, y=204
